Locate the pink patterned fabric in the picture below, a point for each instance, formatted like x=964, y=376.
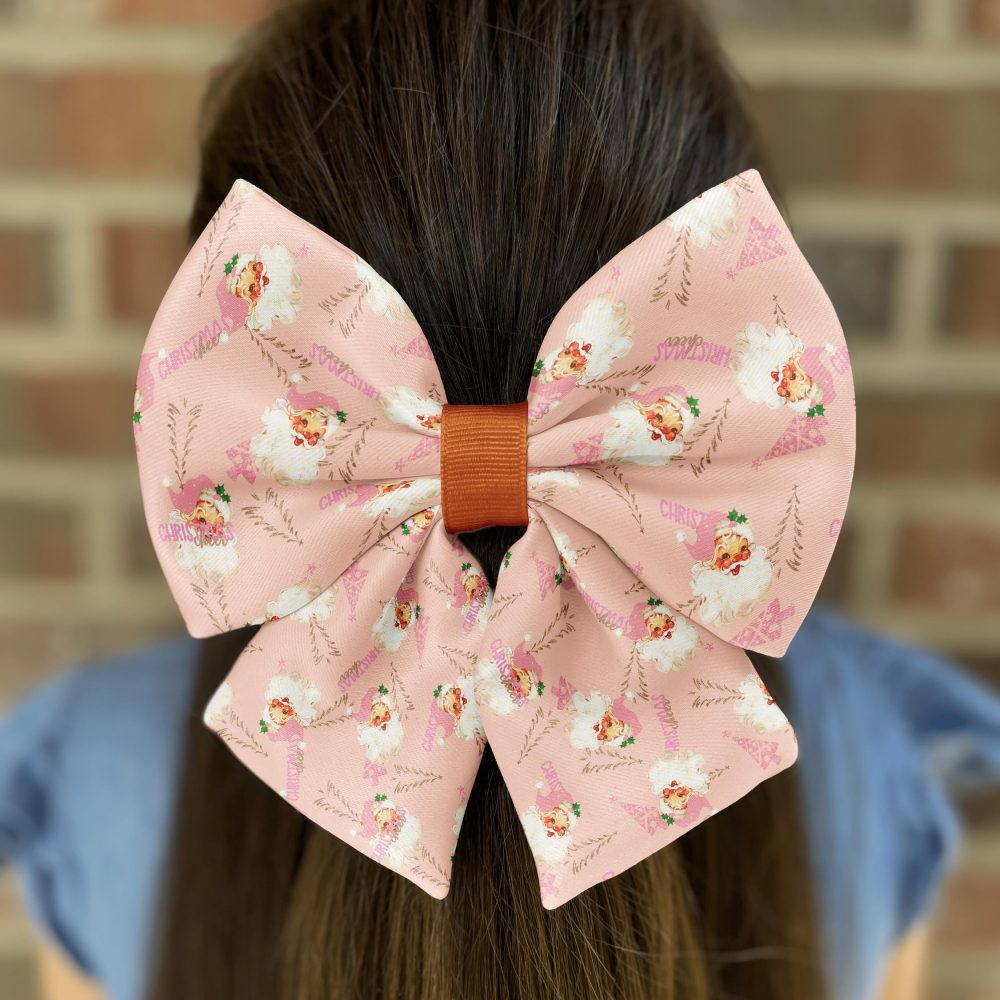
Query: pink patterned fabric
x=691, y=445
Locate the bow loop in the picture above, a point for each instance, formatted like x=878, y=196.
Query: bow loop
x=690, y=443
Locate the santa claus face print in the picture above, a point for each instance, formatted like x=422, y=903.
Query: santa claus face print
x=659, y=625
x=731, y=550
x=675, y=797
x=610, y=728
x=556, y=821
x=665, y=419
x=386, y=820
x=380, y=716
x=404, y=615
x=251, y=282
x=792, y=383
x=571, y=360
x=308, y=426
x=206, y=516
x=453, y=701
x=280, y=711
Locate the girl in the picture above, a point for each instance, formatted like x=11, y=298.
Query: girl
x=485, y=158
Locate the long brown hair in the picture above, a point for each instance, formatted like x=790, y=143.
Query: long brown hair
x=486, y=158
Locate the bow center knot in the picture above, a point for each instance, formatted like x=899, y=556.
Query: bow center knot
x=484, y=466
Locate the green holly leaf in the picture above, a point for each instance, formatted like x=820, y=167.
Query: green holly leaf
x=667, y=818
x=221, y=492
x=406, y=527
x=816, y=411
x=416, y=614
x=230, y=264
x=576, y=809
x=558, y=579
x=506, y=559
x=136, y=417
x=541, y=687
x=382, y=689
x=733, y=514
x=437, y=690
x=466, y=566
x=653, y=601
x=381, y=797
x=537, y=370
x=692, y=402
x=342, y=416
x=628, y=742
x=263, y=726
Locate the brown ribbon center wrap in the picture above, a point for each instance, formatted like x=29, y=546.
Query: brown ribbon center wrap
x=484, y=466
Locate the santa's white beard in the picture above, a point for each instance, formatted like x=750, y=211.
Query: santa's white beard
x=586, y=712
x=217, y=711
x=604, y=325
x=673, y=653
x=469, y=723
x=421, y=493
x=211, y=562
x=304, y=603
x=725, y=597
x=490, y=690
x=684, y=767
x=710, y=219
x=753, y=710
x=381, y=296
x=386, y=634
x=630, y=439
x=546, y=850
x=758, y=352
x=381, y=743
x=276, y=455
x=299, y=691
x=402, y=405
x=404, y=847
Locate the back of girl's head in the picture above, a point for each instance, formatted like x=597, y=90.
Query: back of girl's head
x=486, y=159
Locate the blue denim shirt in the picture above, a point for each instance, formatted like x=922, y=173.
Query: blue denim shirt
x=886, y=734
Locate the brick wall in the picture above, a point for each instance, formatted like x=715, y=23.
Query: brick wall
x=882, y=117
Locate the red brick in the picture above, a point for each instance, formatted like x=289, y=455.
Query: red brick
x=141, y=260
x=948, y=565
x=854, y=16
x=42, y=540
x=858, y=276
x=196, y=12
x=891, y=140
x=983, y=19
x=56, y=415
x=25, y=273
x=33, y=654
x=914, y=436
x=140, y=558
x=967, y=917
x=122, y=123
x=30, y=141
x=972, y=292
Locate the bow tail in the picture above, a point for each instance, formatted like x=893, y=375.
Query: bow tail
x=621, y=724
x=343, y=709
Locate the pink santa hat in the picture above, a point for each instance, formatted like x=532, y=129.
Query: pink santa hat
x=552, y=792
x=524, y=660
x=622, y=709
x=365, y=705
x=650, y=396
x=232, y=309
x=191, y=492
x=144, y=380
x=710, y=525
x=314, y=400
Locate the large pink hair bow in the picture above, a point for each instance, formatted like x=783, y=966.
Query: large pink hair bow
x=690, y=449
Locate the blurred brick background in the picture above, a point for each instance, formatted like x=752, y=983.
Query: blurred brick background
x=883, y=118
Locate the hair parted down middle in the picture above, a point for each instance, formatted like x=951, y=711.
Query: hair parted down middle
x=486, y=159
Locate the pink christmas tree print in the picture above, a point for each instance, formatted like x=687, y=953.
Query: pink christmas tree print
x=761, y=245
